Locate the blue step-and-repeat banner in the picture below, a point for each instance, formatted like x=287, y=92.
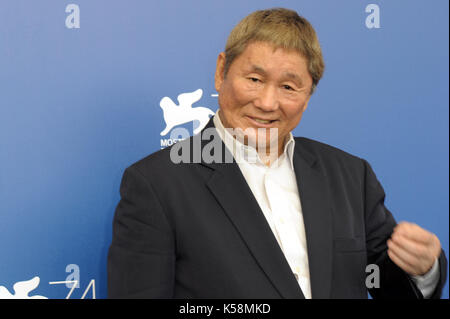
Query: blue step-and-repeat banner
x=81, y=83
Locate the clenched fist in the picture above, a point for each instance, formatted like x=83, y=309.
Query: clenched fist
x=413, y=248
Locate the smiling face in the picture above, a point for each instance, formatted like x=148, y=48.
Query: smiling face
x=265, y=87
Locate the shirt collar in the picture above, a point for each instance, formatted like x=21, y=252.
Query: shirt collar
x=241, y=151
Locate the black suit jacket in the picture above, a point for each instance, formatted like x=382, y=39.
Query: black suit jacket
x=196, y=231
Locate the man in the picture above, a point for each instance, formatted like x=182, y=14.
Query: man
x=298, y=220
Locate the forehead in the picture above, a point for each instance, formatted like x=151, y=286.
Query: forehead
x=264, y=57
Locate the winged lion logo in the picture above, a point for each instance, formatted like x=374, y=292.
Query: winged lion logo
x=184, y=112
x=21, y=290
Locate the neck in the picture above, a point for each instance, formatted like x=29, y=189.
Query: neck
x=268, y=152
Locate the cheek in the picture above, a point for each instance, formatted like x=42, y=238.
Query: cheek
x=293, y=116
x=243, y=91
x=234, y=95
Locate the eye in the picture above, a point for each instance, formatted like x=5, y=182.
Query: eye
x=255, y=80
x=288, y=87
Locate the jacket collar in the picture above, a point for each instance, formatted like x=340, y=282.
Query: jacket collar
x=241, y=151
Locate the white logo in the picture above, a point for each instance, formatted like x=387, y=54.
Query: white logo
x=21, y=290
x=184, y=112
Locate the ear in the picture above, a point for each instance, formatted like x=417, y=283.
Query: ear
x=220, y=69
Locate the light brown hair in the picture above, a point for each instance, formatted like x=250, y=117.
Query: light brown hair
x=283, y=28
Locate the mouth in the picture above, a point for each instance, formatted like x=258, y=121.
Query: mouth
x=262, y=122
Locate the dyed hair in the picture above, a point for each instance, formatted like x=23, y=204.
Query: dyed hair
x=283, y=28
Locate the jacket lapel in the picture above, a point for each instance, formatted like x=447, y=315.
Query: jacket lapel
x=317, y=217
x=231, y=190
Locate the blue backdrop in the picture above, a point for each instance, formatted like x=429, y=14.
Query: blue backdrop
x=79, y=102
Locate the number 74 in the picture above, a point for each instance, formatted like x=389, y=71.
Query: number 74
x=74, y=284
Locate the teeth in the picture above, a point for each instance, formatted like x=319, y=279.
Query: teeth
x=262, y=121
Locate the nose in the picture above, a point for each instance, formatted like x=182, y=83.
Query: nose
x=267, y=99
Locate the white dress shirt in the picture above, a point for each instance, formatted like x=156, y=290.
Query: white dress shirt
x=275, y=189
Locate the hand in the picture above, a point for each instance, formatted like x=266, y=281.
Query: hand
x=413, y=249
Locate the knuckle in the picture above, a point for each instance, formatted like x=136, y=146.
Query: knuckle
x=422, y=251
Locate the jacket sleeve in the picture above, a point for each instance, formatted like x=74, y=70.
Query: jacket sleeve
x=141, y=258
x=394, y=282
x=442, y=276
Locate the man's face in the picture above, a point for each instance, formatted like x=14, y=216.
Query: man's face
x=264, y=88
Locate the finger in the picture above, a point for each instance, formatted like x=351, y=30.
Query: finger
x=402, y=253
x=419, y=265
x=420, y=236
x=399, y=262
x=413, y=232
x=413, y=247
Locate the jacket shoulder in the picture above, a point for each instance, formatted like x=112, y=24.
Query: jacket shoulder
x=324, y=151
x=331, y=160
x=164, y=164
x=159, y=160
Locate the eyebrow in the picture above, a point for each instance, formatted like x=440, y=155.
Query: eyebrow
x=258, y=69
